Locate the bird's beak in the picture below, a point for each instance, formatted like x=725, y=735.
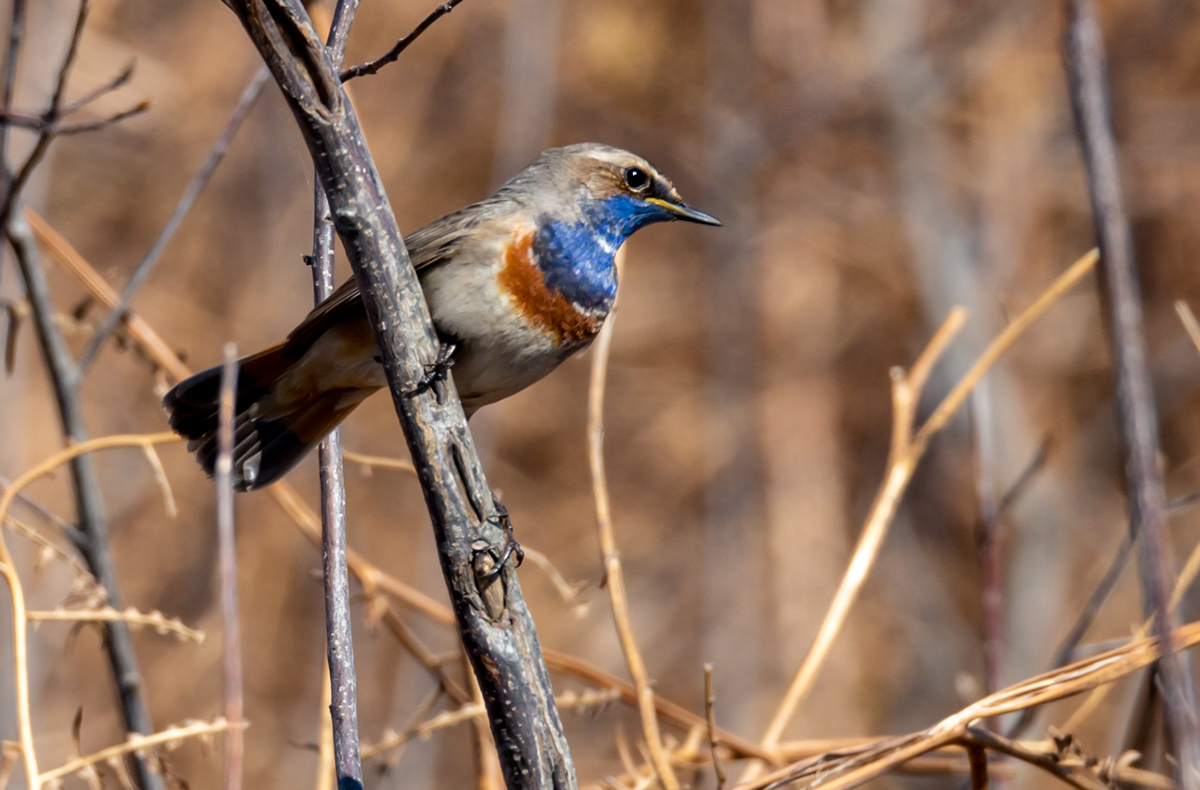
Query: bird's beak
x=685, y=212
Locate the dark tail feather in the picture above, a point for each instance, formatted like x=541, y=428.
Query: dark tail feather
x=265, y=447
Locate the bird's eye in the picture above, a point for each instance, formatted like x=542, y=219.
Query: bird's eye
x=636, y=178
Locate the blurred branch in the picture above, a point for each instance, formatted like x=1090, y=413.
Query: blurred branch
x=614, y=576
x=60, y=129
x=908, y=447
x=494, y=622
x=394, y=53
x=88, y=501
x=227, y=550
x=199, y=181
x=1090, y=101
x=1186, y=577
x=1083, y=623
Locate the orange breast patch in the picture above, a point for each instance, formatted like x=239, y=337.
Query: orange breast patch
x=548, y=309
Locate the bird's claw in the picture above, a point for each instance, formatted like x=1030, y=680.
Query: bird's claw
x=437, y=371
x=511, y=546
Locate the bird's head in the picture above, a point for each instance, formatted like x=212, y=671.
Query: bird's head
x=616, y=190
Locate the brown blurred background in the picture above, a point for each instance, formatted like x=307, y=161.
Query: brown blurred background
x=875, y=161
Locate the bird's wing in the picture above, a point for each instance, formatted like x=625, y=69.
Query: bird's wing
x=433, y=244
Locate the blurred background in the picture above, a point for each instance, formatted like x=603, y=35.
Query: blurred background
x=876, y=162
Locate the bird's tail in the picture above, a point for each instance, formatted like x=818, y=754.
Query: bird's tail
x=268, y=438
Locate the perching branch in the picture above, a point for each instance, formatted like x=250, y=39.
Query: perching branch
x=1087, y=69
x=497, y=630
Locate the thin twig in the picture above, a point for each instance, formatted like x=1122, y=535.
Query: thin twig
x=394, y=53
x=979, y=767
x=988, y=541
x=227, y=550
x=711, y=726
x=1083, y=623
x=1087, y=68
x=116, y=83
x=613, y=574
x=199, y=181
x=340, y=639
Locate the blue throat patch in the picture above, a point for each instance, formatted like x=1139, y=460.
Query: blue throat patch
x=576, y=258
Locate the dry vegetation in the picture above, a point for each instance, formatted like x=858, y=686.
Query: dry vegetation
x=855, y=557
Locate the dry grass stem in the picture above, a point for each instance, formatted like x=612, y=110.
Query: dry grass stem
x=589, y=673
x=160, y=477
x=326, y=774
x=1189, y=322
x=711, y=726
x=167, y=739
x=612, y=558
x=567, y=591
x=371, y=462
x=853, y=767
x=907, y=450
x=48, y=549
x=156, y=620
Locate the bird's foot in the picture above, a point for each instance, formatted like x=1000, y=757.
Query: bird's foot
x=436, y=373
x=511, y=546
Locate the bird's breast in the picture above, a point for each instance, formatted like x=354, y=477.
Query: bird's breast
x=547, y=309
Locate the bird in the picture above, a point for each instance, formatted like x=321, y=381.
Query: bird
x=516, y=284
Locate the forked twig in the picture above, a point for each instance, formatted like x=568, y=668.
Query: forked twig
x=393, y=54
x=906, y=452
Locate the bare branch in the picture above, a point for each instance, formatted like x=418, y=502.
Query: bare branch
x=199, y=181
x=393, y=54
